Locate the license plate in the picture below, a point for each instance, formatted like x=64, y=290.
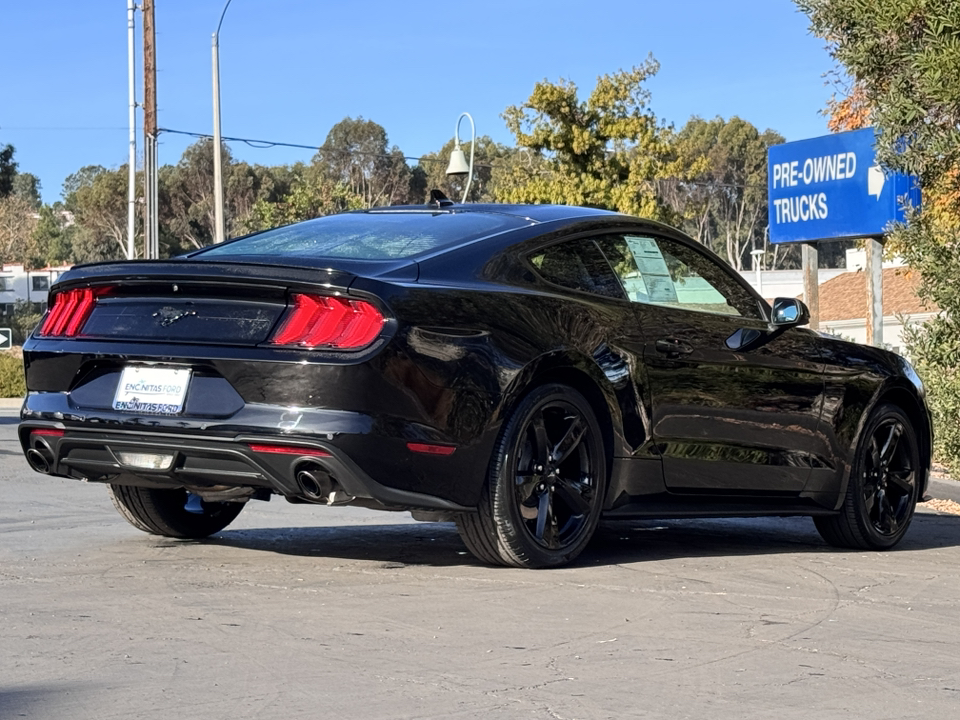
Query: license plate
x=156, y=391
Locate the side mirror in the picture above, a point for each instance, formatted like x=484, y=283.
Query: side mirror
x=788, y=312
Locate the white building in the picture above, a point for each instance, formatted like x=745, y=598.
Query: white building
x=843, y=297
x=16, y=283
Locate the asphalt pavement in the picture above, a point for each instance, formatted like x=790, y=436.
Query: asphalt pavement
x=312, y=612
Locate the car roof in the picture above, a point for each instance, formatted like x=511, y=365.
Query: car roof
x=462, y=225
x=536, y=213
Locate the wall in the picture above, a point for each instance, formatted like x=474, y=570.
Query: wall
x=19, y=284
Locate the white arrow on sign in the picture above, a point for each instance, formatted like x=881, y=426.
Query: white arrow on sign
x=875, y=180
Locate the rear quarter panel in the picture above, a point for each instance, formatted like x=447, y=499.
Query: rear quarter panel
x=858, y=378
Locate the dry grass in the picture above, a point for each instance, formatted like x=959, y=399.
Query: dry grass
x=948, y=507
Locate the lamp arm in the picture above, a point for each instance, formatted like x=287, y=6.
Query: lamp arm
x=217, y=33
x=473, y=145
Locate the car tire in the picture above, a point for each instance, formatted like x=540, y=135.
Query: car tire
x=545, y=486
x=883, y=488
x=162, y=512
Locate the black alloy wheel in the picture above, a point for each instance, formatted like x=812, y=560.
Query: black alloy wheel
x=546, y=485
x=164, y=512
x=884, y=486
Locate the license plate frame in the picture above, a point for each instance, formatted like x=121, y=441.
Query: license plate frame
x=150, y=390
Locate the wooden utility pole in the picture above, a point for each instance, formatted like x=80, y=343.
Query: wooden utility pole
x=151, y=223
x=811, y=282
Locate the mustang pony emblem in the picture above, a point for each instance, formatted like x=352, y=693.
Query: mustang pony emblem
x=169, y=315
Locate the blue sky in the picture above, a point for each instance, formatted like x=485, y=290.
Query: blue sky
x=291, y=69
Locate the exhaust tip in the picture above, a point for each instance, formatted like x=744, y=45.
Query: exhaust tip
x=314, y=482
x=38, y=462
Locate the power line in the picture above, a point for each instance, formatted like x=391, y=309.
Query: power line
x=267, y=144
x=57, y=128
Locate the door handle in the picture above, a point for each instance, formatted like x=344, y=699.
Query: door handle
x=673, y=347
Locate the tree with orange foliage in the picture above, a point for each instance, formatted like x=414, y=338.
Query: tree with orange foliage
x=850, y=112
x=904, y=60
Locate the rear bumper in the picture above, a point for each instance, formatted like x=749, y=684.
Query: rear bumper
x=218, y=454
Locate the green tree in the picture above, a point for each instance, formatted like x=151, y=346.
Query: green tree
x=721, y=190
x=81, y=178
x=310, y=197
x=8, y=170
x=50, y=241
x=185, y=190
x=98, y=201
x=606, y=151
x=185, y=193
x=25, y=317
x=903, y=57
x=16, y=225
x=356, y=155
x=27, y=186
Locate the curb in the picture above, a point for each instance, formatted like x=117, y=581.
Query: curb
x=11, y=402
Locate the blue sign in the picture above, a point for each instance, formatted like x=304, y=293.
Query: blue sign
x=831, y=187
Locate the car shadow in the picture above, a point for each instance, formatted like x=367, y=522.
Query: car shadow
x=624, y=541
x=434, y=544
x=35, y=700
x=615, y=543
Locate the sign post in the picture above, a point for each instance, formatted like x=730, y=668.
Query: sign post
x=874, y=292
x=810, y=262
x=831, y=188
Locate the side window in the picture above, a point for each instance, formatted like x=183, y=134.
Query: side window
x=665, y=272
x=578, y=265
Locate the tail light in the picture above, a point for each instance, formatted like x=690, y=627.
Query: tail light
x=335, y=322
x=70, y=312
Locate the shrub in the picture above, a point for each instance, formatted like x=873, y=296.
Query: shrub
x=934, y=350
x=26, y=316
x=11, y=375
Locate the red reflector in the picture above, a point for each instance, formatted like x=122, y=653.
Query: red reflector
x=430, y=449
x=315, y=321
x=70, y=312
x=48, y=432
x=288, y=450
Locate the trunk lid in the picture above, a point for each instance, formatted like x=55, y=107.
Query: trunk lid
x=178, y=301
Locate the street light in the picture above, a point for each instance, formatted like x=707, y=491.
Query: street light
x=218, y=230
x=758, y=268
x=458, y=162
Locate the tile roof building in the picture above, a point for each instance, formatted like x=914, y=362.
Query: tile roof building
x=843, y=305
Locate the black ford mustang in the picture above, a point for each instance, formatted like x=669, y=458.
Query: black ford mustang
x=522, y=370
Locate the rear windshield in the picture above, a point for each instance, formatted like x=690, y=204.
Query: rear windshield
x=368, y=236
